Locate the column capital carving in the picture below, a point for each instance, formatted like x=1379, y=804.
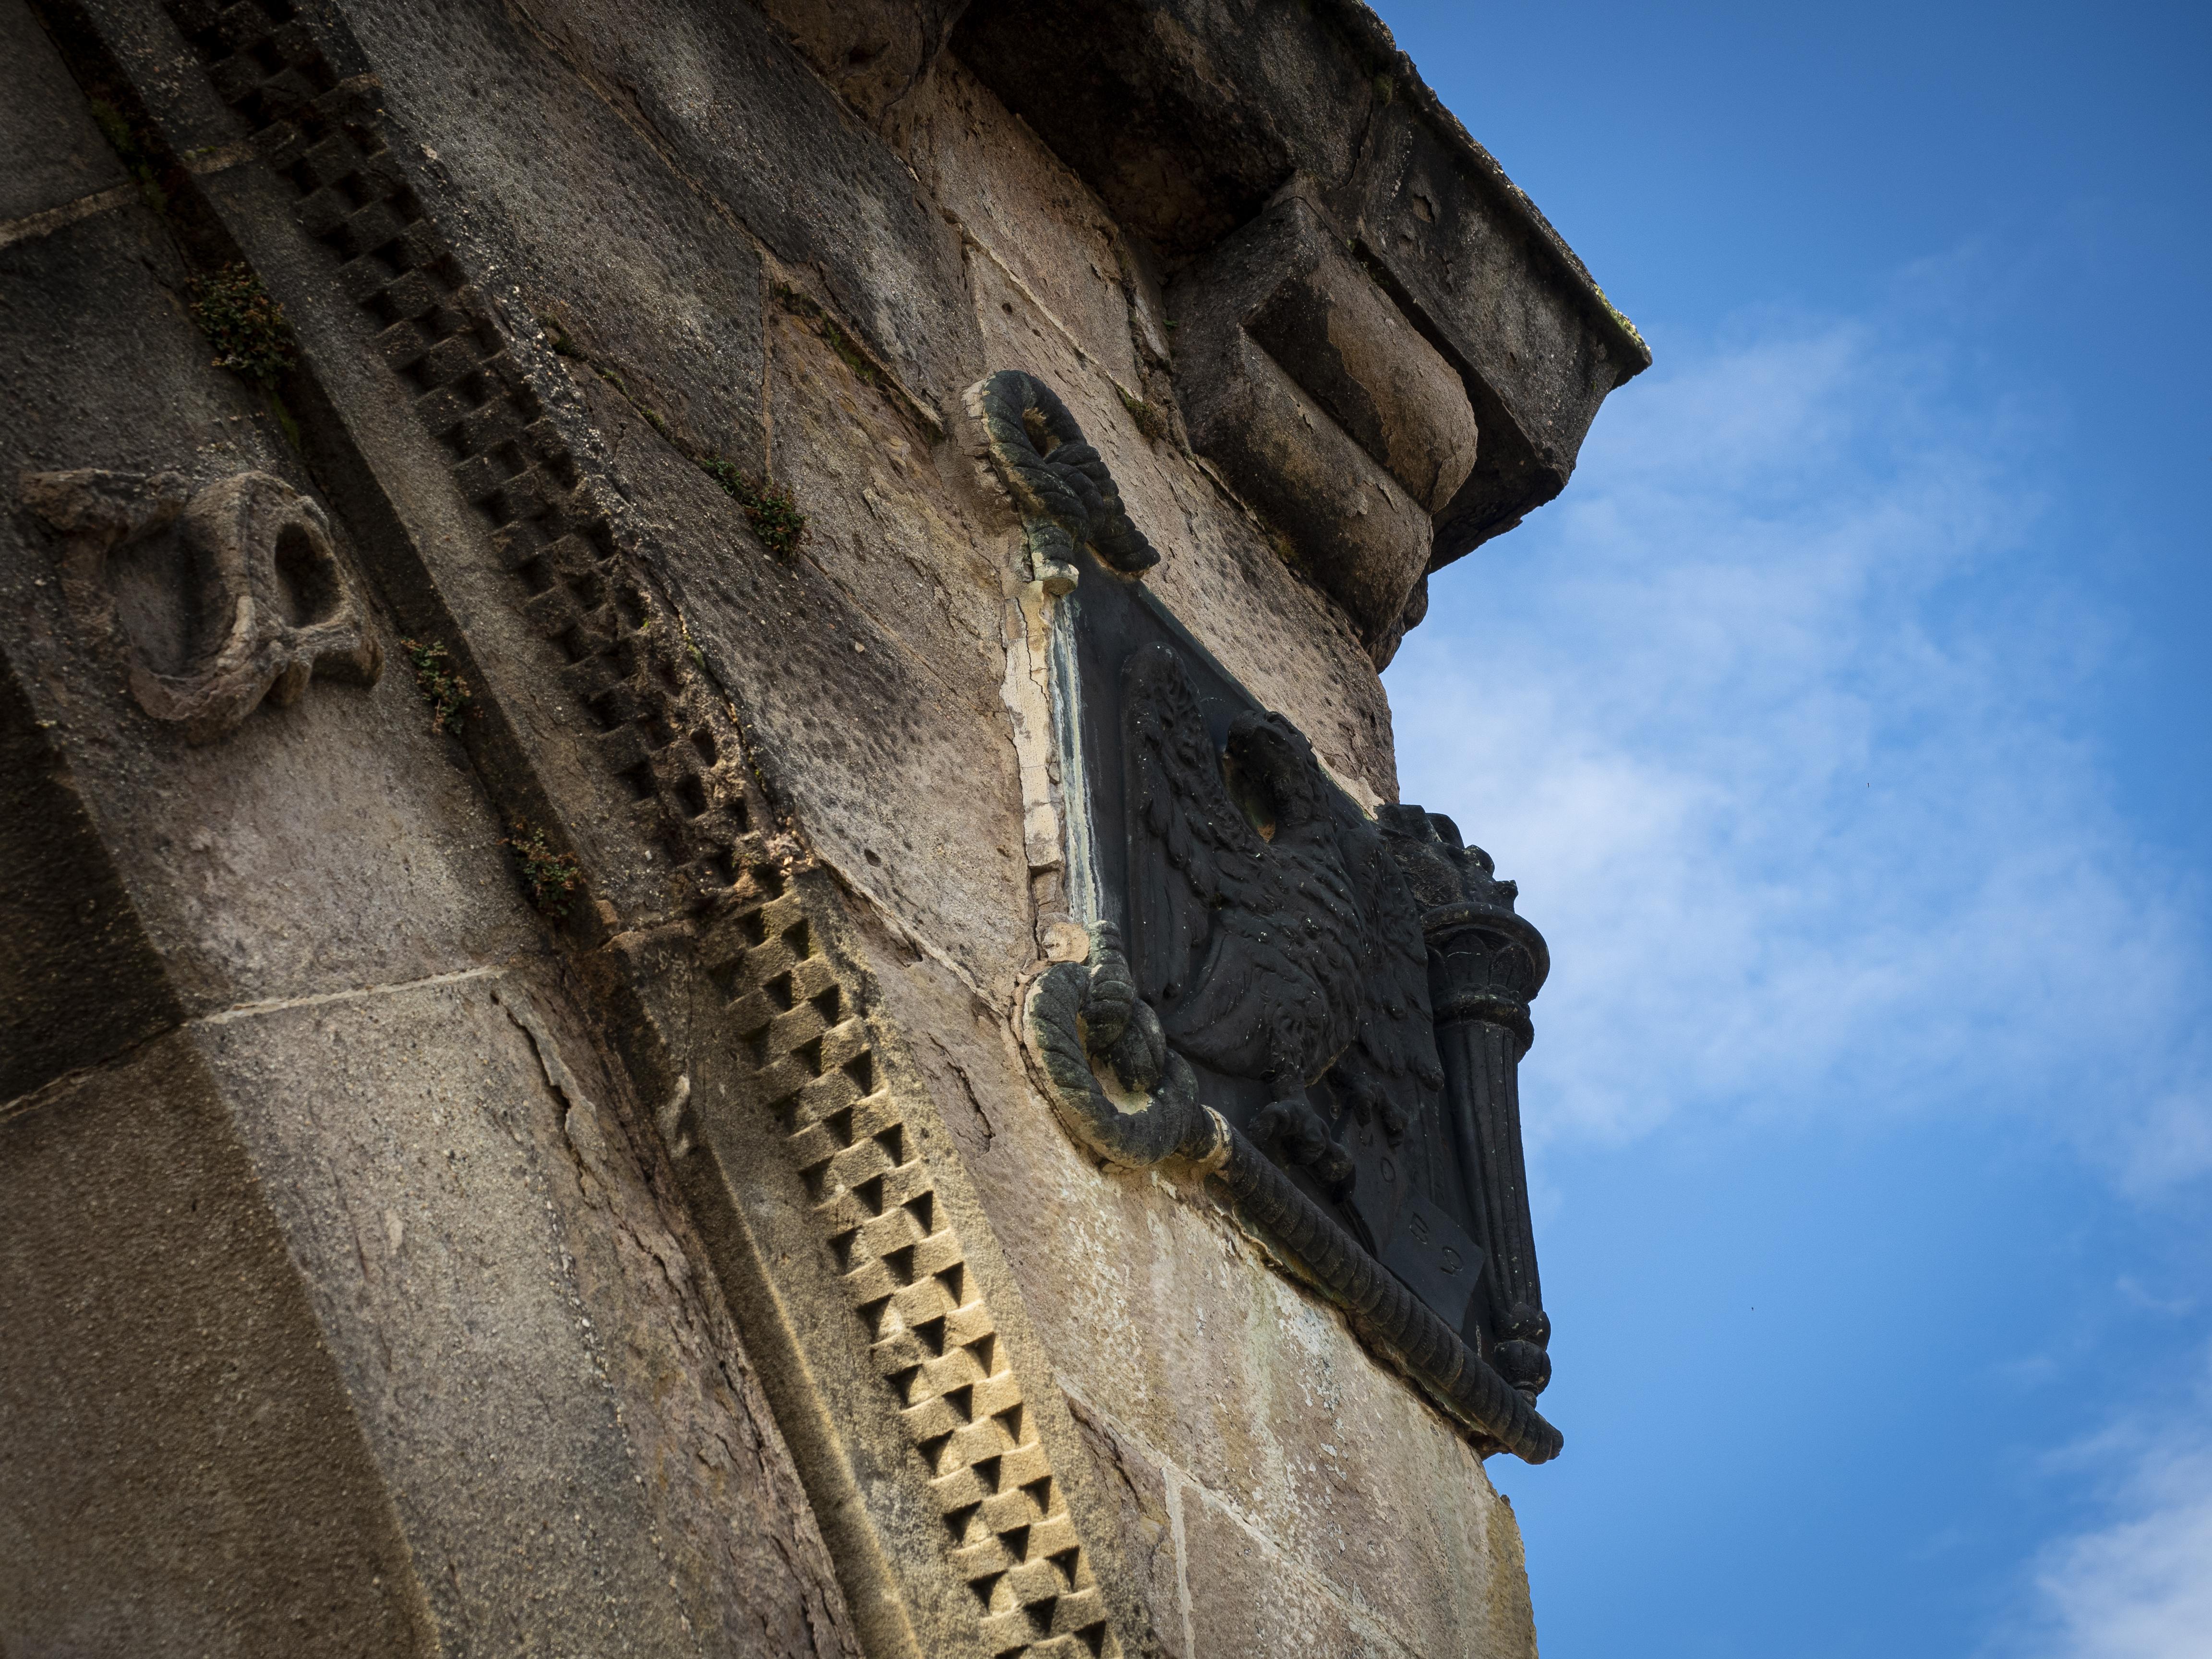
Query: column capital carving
x=1486, y=963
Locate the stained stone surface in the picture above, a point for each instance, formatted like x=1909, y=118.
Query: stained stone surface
x=567, y=1177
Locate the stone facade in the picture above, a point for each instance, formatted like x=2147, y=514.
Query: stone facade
x=517, y=1128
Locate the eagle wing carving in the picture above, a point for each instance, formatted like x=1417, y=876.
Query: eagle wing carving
x=1273, y=932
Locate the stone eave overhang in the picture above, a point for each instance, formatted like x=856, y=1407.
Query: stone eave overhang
x=1360, y=21
x=1188, y=118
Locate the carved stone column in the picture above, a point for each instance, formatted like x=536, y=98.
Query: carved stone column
x=1486, y=966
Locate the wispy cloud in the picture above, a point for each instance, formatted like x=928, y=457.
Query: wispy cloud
x=1775, y=717
x=2139, y=1584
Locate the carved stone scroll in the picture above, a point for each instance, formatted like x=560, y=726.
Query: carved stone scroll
x=1058, y=481
x=247, y=600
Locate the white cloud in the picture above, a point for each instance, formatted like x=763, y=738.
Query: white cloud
x=2139, y=1586
x=1774, y=718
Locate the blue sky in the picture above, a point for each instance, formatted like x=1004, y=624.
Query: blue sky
x=1846, y=726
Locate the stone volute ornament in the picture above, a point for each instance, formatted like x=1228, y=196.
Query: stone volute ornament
x=1317, y=1012
x=244, y=600
x=1058, y=481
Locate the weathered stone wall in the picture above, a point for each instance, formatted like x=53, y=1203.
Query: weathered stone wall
x=390, y=1267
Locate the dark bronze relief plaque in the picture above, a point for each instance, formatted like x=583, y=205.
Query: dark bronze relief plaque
x=1345, y=997
x=1270, y=924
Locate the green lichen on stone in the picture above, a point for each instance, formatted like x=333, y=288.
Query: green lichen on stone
x=116, y=127
x=856, y=357
x=1149, y=420
x=775, y=517
x=1615, y=313
x=446, y=691
x=251, y=335
x=547, y=876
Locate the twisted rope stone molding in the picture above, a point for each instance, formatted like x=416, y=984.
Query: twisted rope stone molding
x=1080, y=1020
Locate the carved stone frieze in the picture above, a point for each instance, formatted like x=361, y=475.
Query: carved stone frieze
x=221, y=596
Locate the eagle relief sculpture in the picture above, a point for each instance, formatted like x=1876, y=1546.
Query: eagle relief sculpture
x=1276, y=938
x=1318, y=1011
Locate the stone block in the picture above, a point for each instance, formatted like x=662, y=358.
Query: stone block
x=874, y=53
x=67, y=920
x=51, y=153
x=1494, y=286
x=1286, y=280
x=1033, y=217
x=1185, y=117
x=621, y=144
x=183, y=1471
x=624, y=261
x=249, y=863
x=1349, y=527
x=545, y=1386
x=1143, y=1493
x=1256, y=1600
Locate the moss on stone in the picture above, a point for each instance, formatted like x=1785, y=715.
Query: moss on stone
x=115, y=127
x=1149, y=420
x=251, y=335
x=775, y=517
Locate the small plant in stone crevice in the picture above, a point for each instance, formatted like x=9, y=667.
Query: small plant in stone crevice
x=848, y=348
x=775, y=517
x=547, y=876
x=442, y=687
x=251, y=335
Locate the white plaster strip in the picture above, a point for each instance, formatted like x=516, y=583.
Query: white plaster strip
x=215, y=158
x=1025, y=691
x=255, y=1010
x=33, y=226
